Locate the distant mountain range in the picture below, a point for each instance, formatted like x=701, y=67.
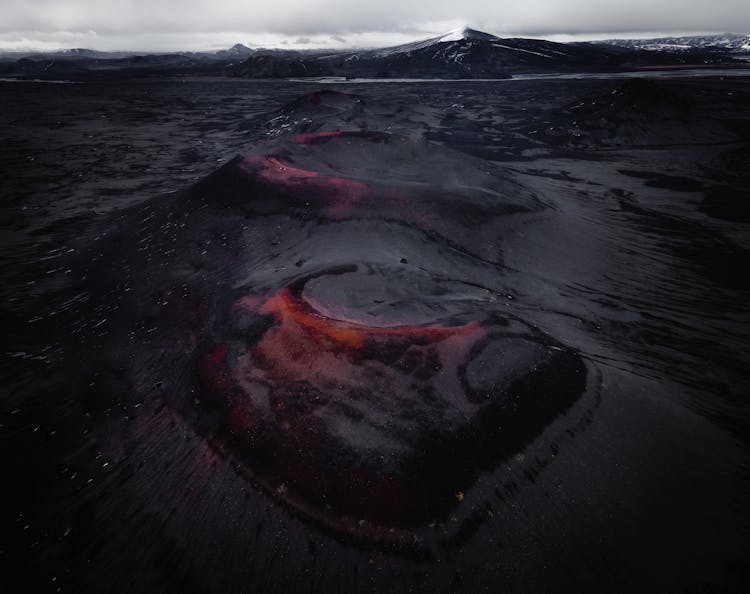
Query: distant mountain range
x=728, y=42
x=463, y=53
x=467, y=53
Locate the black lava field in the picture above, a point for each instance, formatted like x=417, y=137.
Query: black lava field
x=485, y=336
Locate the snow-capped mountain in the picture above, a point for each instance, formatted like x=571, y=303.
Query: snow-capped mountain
x=466, y=53
x=457, y=35
x=455, y=45
x=728, y=42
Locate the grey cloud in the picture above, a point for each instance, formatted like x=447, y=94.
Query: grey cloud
x=139, y=19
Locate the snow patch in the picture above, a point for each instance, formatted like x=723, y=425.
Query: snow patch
x=455, y=35
x=518, y=49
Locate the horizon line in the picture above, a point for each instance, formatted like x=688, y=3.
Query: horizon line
x=320, y=46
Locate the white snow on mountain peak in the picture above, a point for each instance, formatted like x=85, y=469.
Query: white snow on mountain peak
x=456, y=36
x=463, y=33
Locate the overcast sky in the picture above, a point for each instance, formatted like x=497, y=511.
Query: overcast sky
x=213, y=24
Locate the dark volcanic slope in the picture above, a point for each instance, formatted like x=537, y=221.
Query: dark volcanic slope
x=639, y=112
x=82, y=64
x=267, y=338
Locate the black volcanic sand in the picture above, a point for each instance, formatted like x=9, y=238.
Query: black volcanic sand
x=263, y=337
